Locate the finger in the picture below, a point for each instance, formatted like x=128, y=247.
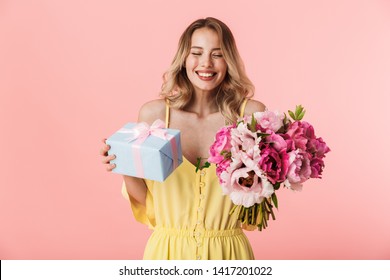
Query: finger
x=110, y=167
x=104, y=150
x=107, y=159
x=101, y=152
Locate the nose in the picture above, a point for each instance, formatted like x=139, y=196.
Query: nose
x=206, y=61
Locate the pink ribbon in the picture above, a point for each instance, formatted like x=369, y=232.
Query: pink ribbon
x=142, y=130
x=140, y=133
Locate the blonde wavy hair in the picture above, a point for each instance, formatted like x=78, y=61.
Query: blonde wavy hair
x=236, y=86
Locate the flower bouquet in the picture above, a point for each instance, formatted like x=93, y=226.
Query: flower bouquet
x=260, y=153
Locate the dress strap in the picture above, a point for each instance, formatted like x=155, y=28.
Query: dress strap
x=242, y=108
x=167, y=113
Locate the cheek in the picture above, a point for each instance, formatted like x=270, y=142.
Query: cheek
x=188, y=71
x=190, y=63
x=189, y=66
x=223, y=68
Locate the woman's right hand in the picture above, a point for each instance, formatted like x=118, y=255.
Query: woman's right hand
x=107, y=158
x=135, y=187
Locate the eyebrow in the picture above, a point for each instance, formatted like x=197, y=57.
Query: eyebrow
x=196, y=47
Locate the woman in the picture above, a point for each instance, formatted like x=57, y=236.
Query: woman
x=204, y=89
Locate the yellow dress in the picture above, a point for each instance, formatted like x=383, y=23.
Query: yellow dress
x=190, y=218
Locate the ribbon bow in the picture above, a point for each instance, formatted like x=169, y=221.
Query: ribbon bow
x=142, y=131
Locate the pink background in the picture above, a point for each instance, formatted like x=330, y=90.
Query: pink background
x=72, y=72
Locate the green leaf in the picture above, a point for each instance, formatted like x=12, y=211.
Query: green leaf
x=298, y=110
x=285, y=120
x=301, y=114
x=205, y=165
x=253, y=124
x=275, y=200
x=226, y=154
x=291, y=114
x=263, y=134
x=198, y=164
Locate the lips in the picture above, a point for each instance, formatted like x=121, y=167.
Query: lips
x=206, y=75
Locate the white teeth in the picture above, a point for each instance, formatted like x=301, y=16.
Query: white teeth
x=206, y=75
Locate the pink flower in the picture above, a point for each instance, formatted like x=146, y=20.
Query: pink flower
x=226, y=175
x=250, y=157
x=242, y=136
x=300, y=133
x=289, y=142
x=221, y=143
x=317, y=147
x=277, y=141
x=224, y=181
x=222, y=166
x=269, y=120
x=317, y=165
x=299, y=170
x=258, y=188
x=274, y=163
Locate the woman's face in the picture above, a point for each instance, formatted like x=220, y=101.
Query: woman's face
x=205, y=65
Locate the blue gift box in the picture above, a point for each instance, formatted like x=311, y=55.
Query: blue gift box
x=153, y=158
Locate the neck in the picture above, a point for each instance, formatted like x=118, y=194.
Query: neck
x=203, y=104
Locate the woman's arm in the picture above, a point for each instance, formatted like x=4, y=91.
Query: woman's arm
x=148, y=113
x=135, y=187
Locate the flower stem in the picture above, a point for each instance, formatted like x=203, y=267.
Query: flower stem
x=253, y=220
x=233, y=209
x=247, y=216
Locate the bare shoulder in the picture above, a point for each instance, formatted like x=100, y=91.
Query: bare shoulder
x=152, y=111
x=253, y=106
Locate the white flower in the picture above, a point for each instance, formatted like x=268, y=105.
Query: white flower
x=272, y=120
x=248, y=196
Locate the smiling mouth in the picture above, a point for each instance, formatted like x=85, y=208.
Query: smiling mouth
x=206, y=75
